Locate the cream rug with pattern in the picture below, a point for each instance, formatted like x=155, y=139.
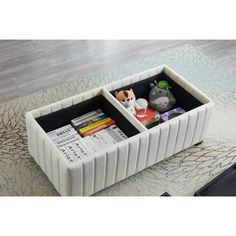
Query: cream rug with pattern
x=181, y=174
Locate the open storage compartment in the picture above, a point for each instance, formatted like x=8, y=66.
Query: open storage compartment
x=63, y=117
x=143, y=147
x=183, y=98
x=141, y=89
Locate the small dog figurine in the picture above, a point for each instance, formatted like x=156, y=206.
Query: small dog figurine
x=127, y=99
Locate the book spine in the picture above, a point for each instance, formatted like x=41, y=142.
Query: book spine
x=90, y=121
x=96, y=124
x=113, y=134
x=61, y=133
x=61, y=129
x=81, y=148
x=86, y=116
x=101, y=140
x=104, y=134
x=92, y=146
x=68, y=140
x=100, y=127
x=73, y=151
x=66, y=154
x=116, y=133
x=76, y=123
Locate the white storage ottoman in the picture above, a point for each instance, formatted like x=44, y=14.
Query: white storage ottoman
x=142, y=149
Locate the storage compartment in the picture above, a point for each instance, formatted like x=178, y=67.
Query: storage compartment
x=141, y=89
x=63, y=117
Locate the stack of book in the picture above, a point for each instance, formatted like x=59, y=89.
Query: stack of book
x=91, y=122
x=86, y=135
x=150, y=118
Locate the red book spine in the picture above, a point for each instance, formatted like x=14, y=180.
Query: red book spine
x=103, y=126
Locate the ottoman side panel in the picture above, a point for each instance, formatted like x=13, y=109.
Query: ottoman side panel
x=172, y=137
x=122, y=160
x=201, y=113
x=164, y=136
x=133, y=156
x=41, y=150
x=60, y=172
x=192, y=120
x=100, y=172
x=209, y=111
x=65, y=188
x=28, y=120
x=55, y=169
x=183, y=123
x=76, y=178
x=89, y=176
x=32, y=135
x=153, y=146
x=46, y=154
x=48, y=160
x=111, y=163
x=142, y=151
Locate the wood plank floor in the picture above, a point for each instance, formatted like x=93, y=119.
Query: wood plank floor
x=29, y=66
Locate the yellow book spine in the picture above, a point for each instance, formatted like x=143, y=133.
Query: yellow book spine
x=100, y=122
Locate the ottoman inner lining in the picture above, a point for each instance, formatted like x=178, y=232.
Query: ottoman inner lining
x=183, y=98
x=63, y=117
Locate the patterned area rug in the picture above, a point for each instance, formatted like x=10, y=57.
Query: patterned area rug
x=181, y=174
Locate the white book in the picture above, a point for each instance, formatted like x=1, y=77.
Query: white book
x=102, y=139
x=61, y=133
x=81, y=149
x=99, y=141
x=67, y=140
x=91, y=146
x=106, y=135
x=73, y=151
x=116, y=133
x=66, y=154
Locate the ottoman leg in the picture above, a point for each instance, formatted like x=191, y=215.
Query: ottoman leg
x=198, y=143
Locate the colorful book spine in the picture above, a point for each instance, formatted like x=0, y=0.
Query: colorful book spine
x=96, y=124
x=76, y=123
x=98, y=128
x=90, y=121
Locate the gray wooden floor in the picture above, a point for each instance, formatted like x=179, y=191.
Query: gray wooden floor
x=29, y=66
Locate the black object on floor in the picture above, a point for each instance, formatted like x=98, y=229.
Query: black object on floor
x=199, y=143
x=165, y=194
x=223, y=185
